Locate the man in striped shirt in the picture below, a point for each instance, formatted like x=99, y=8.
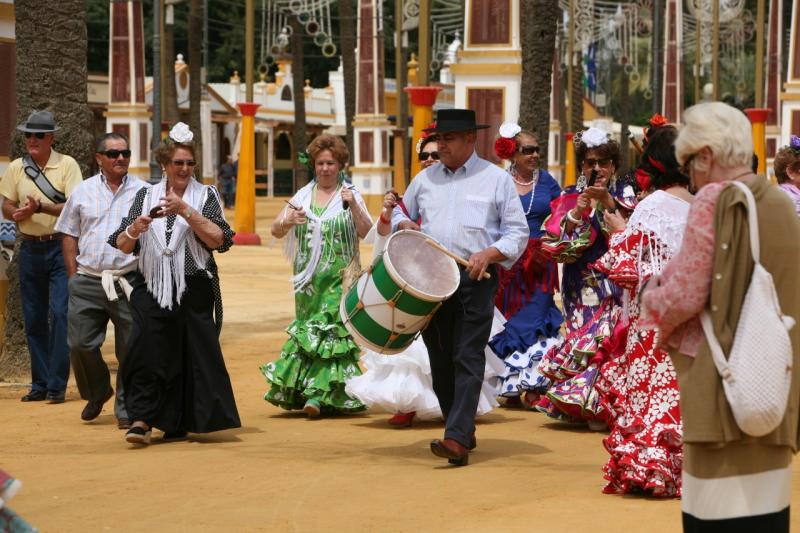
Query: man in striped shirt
x=471, y=207
x=98, y=289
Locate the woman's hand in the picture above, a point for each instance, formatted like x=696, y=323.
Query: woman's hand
x=295, y=217
x=349, y=196
x=584, y=204
x=389, y=201
x=140, y=225
x=172, y=204
x=601, y=194
x=614, y=221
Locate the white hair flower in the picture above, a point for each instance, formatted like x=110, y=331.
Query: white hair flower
x=180, y=133
x=509, y=130
x=594, y=137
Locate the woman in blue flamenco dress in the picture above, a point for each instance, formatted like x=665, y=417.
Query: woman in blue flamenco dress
x=576, y=234
x=525, y=291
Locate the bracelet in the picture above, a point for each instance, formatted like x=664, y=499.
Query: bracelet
x=39, y=206
x=129, y=234
x=572, y=219
x=384, y=220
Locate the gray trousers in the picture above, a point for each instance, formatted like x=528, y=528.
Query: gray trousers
x=88, y=316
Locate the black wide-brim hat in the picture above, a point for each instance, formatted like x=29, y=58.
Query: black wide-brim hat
x=455, y=120
x=39, y=122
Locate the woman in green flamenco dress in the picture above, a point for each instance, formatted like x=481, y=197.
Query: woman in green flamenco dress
x=322, y=223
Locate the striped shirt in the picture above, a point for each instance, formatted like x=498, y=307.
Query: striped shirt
x=91, y=214
x=468, y=210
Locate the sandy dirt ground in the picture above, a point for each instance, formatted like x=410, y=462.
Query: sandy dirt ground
x=283, y=472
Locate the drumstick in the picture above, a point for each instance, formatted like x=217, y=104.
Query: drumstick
x=460, y=260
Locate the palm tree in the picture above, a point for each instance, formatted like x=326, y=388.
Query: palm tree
x=299, y=130
x=51, y=50
x=347, y=36
x=195, y=30
x=538, y=25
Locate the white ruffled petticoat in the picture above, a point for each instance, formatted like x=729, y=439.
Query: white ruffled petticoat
x=402, y=383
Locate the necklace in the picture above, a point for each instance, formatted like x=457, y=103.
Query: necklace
x=534, y=180
x=316, y=190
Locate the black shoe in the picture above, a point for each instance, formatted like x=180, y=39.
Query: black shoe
x=34, y=396
x=94, y=408
x=174, y=435
x=138, y=435
x=56, y=397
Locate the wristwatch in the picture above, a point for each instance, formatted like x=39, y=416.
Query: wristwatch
x=188, y=213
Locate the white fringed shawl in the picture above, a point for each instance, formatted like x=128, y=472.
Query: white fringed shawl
x=162, y=265
x=312, y=231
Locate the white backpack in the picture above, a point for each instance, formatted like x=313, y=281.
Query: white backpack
x=758, y=374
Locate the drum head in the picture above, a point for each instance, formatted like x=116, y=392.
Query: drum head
x=426, y=271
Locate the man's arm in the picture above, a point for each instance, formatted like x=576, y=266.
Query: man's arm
x=9, y=207
x=514, y=232
x=399, y=218
x=69, y=249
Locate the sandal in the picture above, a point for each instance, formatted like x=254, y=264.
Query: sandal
x=138, y=435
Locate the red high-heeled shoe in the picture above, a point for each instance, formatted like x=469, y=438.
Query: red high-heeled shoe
x=402, y=419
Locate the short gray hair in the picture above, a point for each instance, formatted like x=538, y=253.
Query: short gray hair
x=101, y=142
x=725, y=130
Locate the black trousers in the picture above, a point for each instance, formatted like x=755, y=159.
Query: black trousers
x=456, y=339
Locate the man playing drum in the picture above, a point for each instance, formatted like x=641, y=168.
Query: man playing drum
x=471, y=207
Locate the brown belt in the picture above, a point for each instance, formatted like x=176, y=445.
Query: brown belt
x=42, y=238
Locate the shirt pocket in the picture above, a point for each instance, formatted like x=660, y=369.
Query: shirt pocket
x=476, y=211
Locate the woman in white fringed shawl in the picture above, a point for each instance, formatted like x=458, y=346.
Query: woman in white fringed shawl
x=322, y=222
x=175, y=377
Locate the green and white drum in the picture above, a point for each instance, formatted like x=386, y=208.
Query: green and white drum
x=394, y=299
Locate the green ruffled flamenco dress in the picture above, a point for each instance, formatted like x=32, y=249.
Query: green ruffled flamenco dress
x=320, y=356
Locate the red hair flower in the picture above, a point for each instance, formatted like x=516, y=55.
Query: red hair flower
x=658, y=120
x=643, y=179
x=505, y=148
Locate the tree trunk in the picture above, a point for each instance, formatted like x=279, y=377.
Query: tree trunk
x=576, y=93
x=624, y=121
x=299, y=130
x=347, y=38
x=195, y=29
x=538, y=21
x=169, y=113
x=51, y=47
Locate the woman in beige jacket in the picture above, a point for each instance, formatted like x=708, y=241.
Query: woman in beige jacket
x=731, y=481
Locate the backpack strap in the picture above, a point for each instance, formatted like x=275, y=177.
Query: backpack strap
x=33, y=171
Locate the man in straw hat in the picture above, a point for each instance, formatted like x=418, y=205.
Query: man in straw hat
x=471, y=207
x=34, y=189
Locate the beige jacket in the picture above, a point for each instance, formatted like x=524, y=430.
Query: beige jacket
x=707, y=417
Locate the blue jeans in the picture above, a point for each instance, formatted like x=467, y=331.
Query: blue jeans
x=228, y=191
x=43, y=286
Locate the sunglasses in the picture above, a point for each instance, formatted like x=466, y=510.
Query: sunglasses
x=528, y=149
x=184, y=162
x=113, y=154
x=423, y=156
x=38, y=134
x=591, y=163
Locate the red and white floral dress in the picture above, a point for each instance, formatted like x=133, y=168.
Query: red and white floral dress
x=638, y=389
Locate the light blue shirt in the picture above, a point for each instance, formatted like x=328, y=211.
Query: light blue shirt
x=92, y=213
x=469, y=209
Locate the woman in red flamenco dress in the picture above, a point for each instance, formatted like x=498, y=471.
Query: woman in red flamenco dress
x=638, y=390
